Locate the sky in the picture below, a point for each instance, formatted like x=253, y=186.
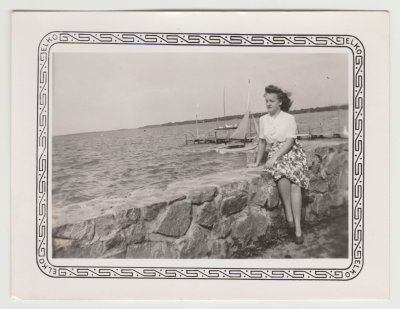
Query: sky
x=109, y=91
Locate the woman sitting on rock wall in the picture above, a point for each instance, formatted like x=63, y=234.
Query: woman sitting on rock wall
x=286, y=160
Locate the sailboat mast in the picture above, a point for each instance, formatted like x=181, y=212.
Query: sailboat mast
x=248, y=95
x=224, y=109
x=197, y=129
x=248, y=108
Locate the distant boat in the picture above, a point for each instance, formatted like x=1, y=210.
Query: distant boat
x=227, y=127
x=242, y=139
x=234, y=148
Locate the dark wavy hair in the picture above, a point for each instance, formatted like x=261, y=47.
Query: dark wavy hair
x=283, y=96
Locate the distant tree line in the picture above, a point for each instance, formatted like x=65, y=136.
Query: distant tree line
x=256, y=115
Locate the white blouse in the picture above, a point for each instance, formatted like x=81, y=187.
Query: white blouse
x=278, y=128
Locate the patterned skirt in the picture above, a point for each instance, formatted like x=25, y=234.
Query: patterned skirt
x=292, y=165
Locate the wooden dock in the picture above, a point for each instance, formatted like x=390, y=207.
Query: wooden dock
x=208, y=140
x=319, y=135
x=215, y=140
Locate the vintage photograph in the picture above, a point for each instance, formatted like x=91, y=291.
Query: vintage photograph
x=223, y=154
x=200, y=155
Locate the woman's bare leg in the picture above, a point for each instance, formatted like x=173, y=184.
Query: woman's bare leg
x=296, y=207
x=284, y=187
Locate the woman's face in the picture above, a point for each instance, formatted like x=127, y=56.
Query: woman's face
x=272, y=103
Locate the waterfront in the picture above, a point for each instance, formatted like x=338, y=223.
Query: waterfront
x=114, y=164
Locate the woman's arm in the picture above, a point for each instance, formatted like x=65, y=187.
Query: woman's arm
x=260, y=153
x=261, y=149
x=287, y=145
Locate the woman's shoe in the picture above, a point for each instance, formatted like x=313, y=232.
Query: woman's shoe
x=298, y=239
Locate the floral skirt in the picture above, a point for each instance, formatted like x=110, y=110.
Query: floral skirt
x=292, y=165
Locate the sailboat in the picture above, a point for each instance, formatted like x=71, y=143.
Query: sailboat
x=242, y=138
x=226, y=126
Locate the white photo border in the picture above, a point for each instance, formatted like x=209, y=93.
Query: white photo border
x=201, y=39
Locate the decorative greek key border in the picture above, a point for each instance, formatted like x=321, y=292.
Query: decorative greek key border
x=206, y=40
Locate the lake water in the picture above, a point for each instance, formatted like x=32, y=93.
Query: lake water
x=111, y=164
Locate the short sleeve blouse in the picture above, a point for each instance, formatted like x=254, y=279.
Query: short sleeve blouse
x=278, y=128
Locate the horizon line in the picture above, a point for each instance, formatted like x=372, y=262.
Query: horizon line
x=182, y=121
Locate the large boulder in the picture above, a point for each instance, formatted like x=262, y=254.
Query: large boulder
x=126, y=217
x=207, y=215
x=223, y=227
x=151, y=212
x=250, y=227
x=151, y=250
x=202, y=195
x=176, y=219
x=105, y=227
x=196, y=243
x=83, y=230
x=219, y=249
x=233, y=204
x=264, y=193
x=318, y=184
x=234, y=188
x=135, y=233
x=113, y=247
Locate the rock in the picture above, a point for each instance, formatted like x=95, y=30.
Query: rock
x=105, y=227
x=274, y=198
x=151, y=212
x=316, y=210
x=219, y=249
x=265, y=194
x=233, y=204
x=176, y=220
x=196, y=244
x=77, y=250
x=115, y=242
x=207, y=215
x=200, y=196
x=83, y=230
x=318, y=184
x=343, y=180
x=234, y=188
x=176, y=198
x=277, y=217
x=314, y=162
x=333, y=161
x=61, y=246
x=309, y=216
x=160, y=238
x=250, y=227
x=135, y=233
x=115, y=254
x=151, y=250
x=223, y=227
x=126, y=217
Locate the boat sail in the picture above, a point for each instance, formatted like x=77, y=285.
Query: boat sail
x=241, y=130
x=242, y=133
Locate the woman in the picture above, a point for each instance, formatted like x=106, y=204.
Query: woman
x=286, y=160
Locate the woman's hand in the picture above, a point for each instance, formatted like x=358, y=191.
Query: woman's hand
x=270, y=163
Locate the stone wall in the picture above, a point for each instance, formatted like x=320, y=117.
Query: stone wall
x=226, y=215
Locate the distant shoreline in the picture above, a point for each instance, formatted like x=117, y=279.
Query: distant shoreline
x=226, y=118
x=256, y=115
